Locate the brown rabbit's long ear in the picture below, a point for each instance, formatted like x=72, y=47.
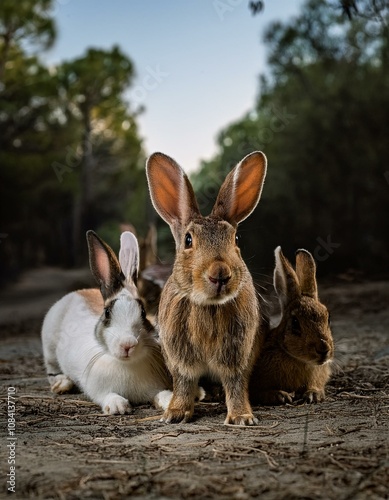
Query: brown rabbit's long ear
x=104, y=265
x=148, y=248
x=285, y=279
x=242, y=188
x=306, y=273
x=171, y=192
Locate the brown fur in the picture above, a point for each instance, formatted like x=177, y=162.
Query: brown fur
x=208, y=314
x=294, y=361
x=93, y=299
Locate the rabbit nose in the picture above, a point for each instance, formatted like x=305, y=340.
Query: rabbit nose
x=323, y=350
x=219, y=281
x=219, y=274
x=128, y=348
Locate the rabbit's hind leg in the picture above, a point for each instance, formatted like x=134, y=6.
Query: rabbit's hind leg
x=60, y=383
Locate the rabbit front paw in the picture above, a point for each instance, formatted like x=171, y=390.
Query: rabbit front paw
x=283, y=397
x=175, y=416
x=277, y=397
x=114, y=404
x=61, y=383
x=313, y=396
x=246, y=419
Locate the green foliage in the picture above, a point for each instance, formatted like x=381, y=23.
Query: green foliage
x=27, y=22
x=321, y=118
x=71, y=158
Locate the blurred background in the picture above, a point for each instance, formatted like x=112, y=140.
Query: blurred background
x=89, y=89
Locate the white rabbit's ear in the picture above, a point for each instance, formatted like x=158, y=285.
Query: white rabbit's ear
x=242, y=188
x=285, y=279
x=129, y=256
x=104, y=266
x=171, y=192
x=306, y=273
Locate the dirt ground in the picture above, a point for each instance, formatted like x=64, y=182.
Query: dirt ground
x=66, y=449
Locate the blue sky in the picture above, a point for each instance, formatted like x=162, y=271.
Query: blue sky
x=197, y=62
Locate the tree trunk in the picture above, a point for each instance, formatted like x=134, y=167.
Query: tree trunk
x=82, y=215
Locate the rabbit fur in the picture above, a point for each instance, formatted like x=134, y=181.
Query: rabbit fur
x=101, y=340
x=295, y=359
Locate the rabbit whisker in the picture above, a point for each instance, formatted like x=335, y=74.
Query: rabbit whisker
x=91, y=362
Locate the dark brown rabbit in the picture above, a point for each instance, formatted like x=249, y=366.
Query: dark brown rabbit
x=295, y=360
x=209, y=313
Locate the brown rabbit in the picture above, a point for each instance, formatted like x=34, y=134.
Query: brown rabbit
x=209, y=313
x=295, y=360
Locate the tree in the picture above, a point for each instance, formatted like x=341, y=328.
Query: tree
x=93, y=87
x=26, y=22
x=320, y=117
x=27, y=126
x=71, y=157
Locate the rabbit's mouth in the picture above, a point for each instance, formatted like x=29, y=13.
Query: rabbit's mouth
x=217, y=284
x=220, y=284
x=214, y=291
x=126, y=351
x=320, y=359
x=325, y=359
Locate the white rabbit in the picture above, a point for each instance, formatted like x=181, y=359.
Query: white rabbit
x=101, y=341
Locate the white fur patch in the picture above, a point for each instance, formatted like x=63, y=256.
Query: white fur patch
x=162, y=399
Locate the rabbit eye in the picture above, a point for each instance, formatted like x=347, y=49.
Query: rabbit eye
x=142, y=309
x=108, y=310
x=237, y=240
x=296, y=326
x=188, y=240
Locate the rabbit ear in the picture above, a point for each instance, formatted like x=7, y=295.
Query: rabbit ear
x=171, y=192
x=104, y=266
x=129, y=256
x=149, y=249
x=242, y=188
x=285, y=279
x=306, y=273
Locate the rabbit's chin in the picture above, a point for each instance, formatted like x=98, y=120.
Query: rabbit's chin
x=204, y=299
x=326, y=362
x=313, y=361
